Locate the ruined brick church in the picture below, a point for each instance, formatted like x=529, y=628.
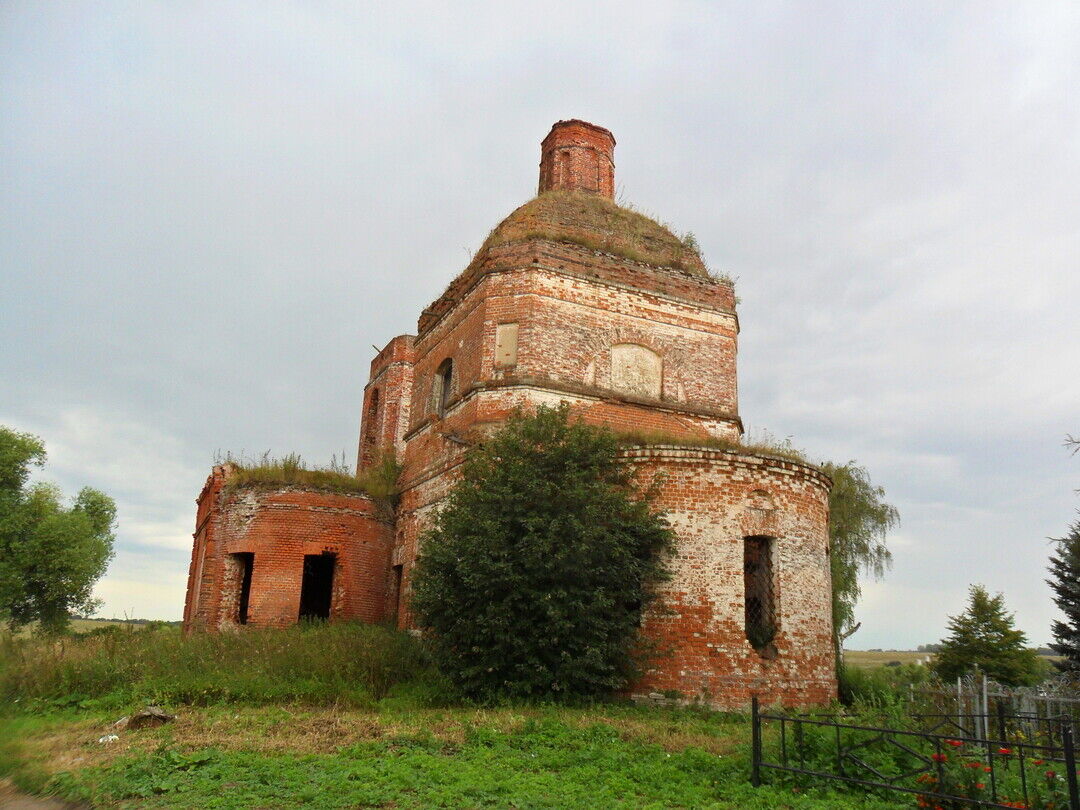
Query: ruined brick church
x=574, y=299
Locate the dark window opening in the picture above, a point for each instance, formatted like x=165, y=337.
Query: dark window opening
x=396, y=592
x=372, y=418
x=760, y=592
x=316, y=590
x=443, y=378
x=246, y=563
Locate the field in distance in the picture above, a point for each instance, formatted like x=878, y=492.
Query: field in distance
x=868, y=659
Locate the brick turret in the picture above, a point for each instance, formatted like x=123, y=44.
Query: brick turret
x=578, y=156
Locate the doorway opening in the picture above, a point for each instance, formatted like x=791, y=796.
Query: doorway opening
x=245, y=562
x=317, y=587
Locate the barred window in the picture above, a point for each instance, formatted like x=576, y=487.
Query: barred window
x=759, y=590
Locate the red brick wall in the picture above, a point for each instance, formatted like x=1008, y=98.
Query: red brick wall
x=578, y=156
x=384, y=416
x=714, y=500
x=281, y=526
x=677, y=333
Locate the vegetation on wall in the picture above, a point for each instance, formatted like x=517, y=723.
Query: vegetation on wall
x=50, y=554
x=597, y=223
x=535, y=575
x=766, y=446
x=378, y=481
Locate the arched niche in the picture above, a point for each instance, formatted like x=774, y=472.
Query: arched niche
x=636, y=370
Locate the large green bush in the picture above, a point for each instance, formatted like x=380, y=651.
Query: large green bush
x=533, y=580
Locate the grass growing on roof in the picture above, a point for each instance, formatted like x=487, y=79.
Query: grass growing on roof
x=762, y=447
x=598, y=223
x=379, y=480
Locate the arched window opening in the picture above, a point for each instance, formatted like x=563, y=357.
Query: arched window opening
x=372, y=419
x=760, y=591
x=443, y=379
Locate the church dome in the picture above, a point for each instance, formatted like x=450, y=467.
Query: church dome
x=597, y=223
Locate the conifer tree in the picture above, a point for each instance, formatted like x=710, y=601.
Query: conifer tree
x=1064, y=581
x=983, y=637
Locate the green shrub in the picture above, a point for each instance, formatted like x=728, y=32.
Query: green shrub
x=879, y=687
x=535, y=575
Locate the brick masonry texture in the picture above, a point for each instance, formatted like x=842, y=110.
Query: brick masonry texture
x=279, y=526
x=570, y=299
x=577, y=155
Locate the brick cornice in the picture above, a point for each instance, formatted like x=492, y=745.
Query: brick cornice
x=675, y=453
x=466, y=281
x=553, y=386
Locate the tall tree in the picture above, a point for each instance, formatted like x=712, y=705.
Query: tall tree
x=859, y=522
x=50, y=554
x=1064, y=581
x=984, y=637
x=535, y=575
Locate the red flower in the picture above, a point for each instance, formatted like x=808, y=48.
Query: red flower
x=939, y=757
x=954, y=743
x=987, y=769
x=1050, y=775
x=979, y=785
x=1004, y=751
x=1037, y=761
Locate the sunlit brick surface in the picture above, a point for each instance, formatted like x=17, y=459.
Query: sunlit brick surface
x=279, y=527
x=571, y=299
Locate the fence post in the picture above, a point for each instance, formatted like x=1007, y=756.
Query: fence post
x=755, y=743
x=1070, y=761
x=1001, y=720
x=959, y=704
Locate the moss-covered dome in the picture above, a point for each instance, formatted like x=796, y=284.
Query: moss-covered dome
x=597, y=223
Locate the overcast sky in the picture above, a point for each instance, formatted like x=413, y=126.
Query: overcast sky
x=209, y=212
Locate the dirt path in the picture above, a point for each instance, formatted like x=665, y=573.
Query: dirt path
x=11, y=799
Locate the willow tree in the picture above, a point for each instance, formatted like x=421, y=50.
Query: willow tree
x=859, y=522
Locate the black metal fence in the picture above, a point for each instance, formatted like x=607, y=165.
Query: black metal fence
x=938, y=763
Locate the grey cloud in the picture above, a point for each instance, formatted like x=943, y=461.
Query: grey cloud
x=208, y=216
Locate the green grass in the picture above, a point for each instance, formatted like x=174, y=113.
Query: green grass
x=534, y=757
x=350, y=664
x=291, y=470
x=343, y=715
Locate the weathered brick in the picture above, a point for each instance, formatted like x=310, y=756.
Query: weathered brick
x=628, y=328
